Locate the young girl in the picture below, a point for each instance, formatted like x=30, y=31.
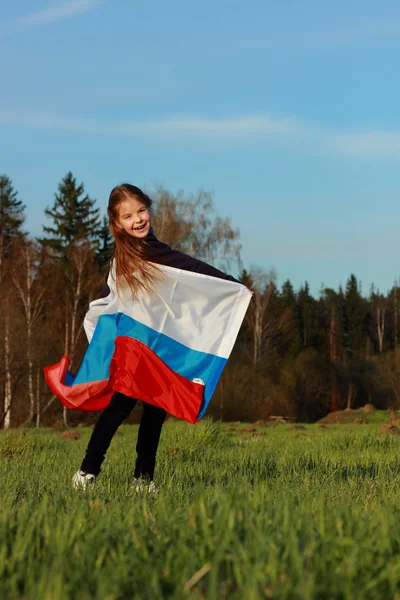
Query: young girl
x=136, y=254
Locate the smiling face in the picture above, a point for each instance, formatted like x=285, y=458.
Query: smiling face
x=134, y=217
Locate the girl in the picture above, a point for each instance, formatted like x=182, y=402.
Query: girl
x=136, y=253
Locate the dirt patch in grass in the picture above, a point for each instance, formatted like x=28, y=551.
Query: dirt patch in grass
x=248, y=430
x=368, y=408
x=71, y=434
x=387, y=428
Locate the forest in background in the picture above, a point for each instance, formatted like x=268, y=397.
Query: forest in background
x=296, y=355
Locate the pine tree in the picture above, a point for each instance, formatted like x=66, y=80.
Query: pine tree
x=11, y=218
x=287, y=294
x=74, y=239
x=287, y=301
x=246, y=278
x=74, y=216
x=354, y=315
x=106, y=247
x=393, y=320
x=305, y=304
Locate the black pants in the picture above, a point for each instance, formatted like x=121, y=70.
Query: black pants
x=110, y=419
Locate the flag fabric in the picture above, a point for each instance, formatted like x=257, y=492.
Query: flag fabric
x=167, y=347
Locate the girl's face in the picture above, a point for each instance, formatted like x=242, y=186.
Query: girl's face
x=134, y=217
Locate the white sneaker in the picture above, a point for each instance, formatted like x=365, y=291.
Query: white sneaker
x=142, y=486
x=82, y=480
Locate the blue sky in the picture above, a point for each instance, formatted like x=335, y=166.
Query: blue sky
x=288, y=112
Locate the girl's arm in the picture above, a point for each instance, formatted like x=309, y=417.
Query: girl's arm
x=164, y=255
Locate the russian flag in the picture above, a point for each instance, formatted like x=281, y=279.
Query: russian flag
x=168, y=347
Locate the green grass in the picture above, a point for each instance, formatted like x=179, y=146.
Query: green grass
x=292, y=513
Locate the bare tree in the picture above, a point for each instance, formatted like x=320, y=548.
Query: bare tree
x=188, y=223
x=11, y=220
x=264, y=323
x=379, y=308
x=37, y=396
x=395, y=292
x=25, y=278
x=7, y=367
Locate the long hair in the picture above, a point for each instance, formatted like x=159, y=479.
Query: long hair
x=131, y=255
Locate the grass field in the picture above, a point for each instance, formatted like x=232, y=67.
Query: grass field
x=279, y=512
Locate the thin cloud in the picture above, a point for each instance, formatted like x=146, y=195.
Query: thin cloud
x=379, y=144
x=56, y=12
x=234, y=127
x=241, y=127
x=363, y=144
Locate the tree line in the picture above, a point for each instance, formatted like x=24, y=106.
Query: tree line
x=296, y=355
